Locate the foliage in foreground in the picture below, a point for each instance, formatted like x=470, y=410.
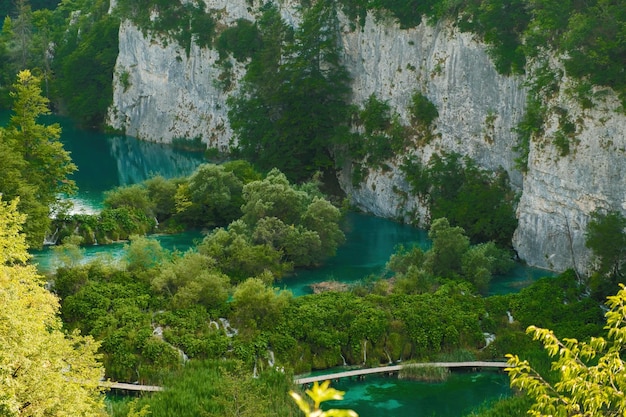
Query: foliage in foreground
x=591, y=376
x=319, y=394
x=43, y=371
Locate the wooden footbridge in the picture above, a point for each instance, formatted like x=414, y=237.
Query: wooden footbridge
x=131, y=387
x=338, y=375
x=396, y=368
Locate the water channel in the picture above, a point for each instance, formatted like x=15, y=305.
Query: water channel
x=106, y=161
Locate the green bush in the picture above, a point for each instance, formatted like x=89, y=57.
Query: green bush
x=480, y=202
x=242, y=40
x=423, y=111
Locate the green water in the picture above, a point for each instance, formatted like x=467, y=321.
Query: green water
x=106, y=161
x=386, y=397
x=370, y=241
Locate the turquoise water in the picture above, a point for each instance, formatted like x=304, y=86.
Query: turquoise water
x=106, y=161
x=370, y=241
x=385, y=397
x=46, y=260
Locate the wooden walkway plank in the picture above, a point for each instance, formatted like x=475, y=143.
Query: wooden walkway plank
x=132, y=387
x=396, y=368
x=338, y=375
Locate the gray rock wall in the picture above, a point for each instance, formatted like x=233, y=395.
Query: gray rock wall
x=170, y=95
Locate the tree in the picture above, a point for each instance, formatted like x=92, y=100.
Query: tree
x=43, y=371
x=591, y=376
x=479, y=201
x=36, y=167
x=606, y=237
x=293, y=105
x=22, y=29
x=293, y=220
x=240, y=258
x=444, y=259
x=193, y=279
x=257, y=306
x=84, y=63
x=211, y=197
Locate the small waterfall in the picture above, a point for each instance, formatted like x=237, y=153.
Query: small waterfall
x=230, y=332
x=270, y=358
x=388, y=355
x=343, y=358
x=510, y=316
x=255, y=373
x=183, y=356
x=489, y=338
x=158, y=332
x=52, y=239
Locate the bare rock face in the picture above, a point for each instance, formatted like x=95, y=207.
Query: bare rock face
x=561, y=191
x=477, y=107
x=162, y=93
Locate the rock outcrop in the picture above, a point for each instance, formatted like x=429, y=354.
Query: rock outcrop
x=161, y=93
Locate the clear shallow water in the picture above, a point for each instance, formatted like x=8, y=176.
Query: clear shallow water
x=385, y=397
x=46, y=260
x=370, y=241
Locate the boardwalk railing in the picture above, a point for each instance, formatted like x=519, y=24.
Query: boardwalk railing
x=338, y=375
x=397, y=368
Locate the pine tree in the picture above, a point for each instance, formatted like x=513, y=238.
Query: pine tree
x=34, y=166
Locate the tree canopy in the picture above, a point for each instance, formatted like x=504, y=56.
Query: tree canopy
x=293, y=105
x=34, y=165
x=43, y=371
x=591, y=376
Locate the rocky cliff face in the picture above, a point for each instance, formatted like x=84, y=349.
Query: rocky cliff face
x=161, y=94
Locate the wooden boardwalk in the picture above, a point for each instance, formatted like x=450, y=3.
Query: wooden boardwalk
x=338, y=375
x=397, y=368
x=131, y=387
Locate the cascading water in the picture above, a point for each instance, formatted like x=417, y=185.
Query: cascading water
x=388, y=356
x=343, y=358
x=270, y=358
x=52, y=239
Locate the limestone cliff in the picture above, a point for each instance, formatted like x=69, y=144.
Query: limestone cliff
x=162, y=93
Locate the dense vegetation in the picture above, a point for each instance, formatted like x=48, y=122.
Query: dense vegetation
x=43, y=369
x=214, y=311
x=79, y=79
x=479, y=201
x=33, y=164
x=293, y=104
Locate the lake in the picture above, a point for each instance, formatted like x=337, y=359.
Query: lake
x=107, y=161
